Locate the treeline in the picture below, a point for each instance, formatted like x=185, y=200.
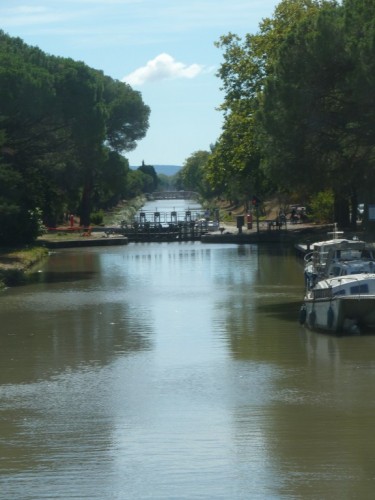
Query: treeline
x=298, y=121
x=299, y=110
x=63, y=129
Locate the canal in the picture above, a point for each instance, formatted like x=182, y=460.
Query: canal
x=178, y=371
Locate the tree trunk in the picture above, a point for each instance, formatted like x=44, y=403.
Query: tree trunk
x=341, y=211
x=86, y=201
x=354, y=211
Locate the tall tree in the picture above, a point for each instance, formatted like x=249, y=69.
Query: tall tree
x=247, y=64
x=150, y=171
x=193, y=175
x=314, y=132
x=26, y=117
x=61, y=120
x=359, y=29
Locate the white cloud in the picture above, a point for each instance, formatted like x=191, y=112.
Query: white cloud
x=162, y=67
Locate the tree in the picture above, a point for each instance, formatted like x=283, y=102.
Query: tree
x=138, y=183
x=61, y=122
x=247, y=64
x=193, y=175
x=126, y=115
x=233, y=168
x=298, y=104
x=359, y=30
x=29, y=138
x=150, y=171
x=314, y=132
x=111, y=184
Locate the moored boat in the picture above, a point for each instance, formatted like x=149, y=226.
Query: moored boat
x=343, y=304
x=340, y=287
x=328, y=258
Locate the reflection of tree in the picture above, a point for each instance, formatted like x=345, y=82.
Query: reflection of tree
x=304, y=401
x=322, y=420
x=55, y=389
x=75, y=314
x=35, y=344
x=264, y=293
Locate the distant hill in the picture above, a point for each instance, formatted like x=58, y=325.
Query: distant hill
x=167, y=169
x=164, y=169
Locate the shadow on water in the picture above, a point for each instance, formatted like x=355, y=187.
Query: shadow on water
x=289, y=312
x=286, y=311
x=59, y=277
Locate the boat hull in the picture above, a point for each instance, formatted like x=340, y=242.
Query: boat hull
x=351, y=314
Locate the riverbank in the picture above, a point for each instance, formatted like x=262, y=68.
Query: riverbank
x=15, y=263
x=95, y=237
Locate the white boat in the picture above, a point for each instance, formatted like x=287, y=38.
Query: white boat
x=340, y=286
x=322, y=261
x=342, y=304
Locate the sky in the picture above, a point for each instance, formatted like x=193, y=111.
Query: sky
x=165, y=49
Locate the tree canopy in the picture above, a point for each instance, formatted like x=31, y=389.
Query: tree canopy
x=298, y=118
x=63, y=129
x=298, y=104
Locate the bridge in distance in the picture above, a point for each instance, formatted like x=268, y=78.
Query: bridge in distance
x=172, y=195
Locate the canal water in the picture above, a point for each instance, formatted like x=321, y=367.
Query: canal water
x=179, y=371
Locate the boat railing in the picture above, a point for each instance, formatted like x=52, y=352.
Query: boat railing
x=309, y=257
x=335, y=233
x=318, y=260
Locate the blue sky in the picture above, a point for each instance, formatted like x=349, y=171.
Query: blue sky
x=162, y=48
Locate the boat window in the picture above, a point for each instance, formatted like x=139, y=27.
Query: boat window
x=365, y=254
x=359, y=289
x=359, y=270
x=351, y=255
x=336, y=271
x=340, y=292
x=322, y=293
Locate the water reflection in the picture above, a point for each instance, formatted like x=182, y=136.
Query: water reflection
x=178, y=370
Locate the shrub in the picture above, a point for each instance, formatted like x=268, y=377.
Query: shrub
x=322, y=207
x=20, y=227
x=97, y=217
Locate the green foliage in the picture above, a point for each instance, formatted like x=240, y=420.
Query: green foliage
x=167, y=182
x=298, y=106
x=193, y=175
x=139, y=183
x=19, y=226
x=20, y=261
x=62, y=125
x=239, y=162
x=127, y=115
x=151, y=184
x=111, y=181
x=322, y=207
x=97, y=217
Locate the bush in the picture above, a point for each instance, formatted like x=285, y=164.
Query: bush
x=97, y=217
x=322, y=207
x=20, y=227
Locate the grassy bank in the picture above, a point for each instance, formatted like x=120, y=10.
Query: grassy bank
x=15, y=263
x=124, y=211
